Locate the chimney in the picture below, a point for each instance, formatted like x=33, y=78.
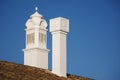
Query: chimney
x=59, y=27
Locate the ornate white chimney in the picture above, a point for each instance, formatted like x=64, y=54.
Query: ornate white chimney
x=59, y=27
x=36, y=52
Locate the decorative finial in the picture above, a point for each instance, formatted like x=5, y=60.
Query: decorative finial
x=36, y=8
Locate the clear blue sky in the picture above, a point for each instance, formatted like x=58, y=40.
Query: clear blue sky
x=93, y=41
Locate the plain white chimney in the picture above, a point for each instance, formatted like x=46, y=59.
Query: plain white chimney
x=59, y=27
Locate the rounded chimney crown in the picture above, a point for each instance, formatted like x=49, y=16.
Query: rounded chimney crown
x=36, y=19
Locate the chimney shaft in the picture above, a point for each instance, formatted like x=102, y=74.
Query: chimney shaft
x=59, y=28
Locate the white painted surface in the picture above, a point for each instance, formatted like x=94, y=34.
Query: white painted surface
x=36, y=57
x=59, y=28
x=59, y=24
x=36, y=52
